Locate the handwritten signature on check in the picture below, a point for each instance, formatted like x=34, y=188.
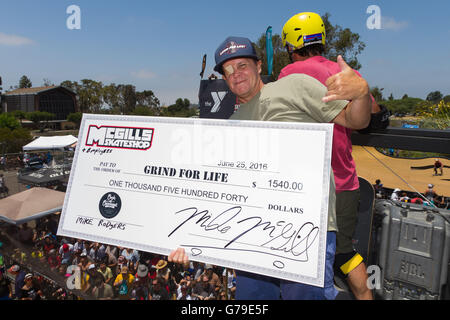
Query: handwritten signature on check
x=279, y=238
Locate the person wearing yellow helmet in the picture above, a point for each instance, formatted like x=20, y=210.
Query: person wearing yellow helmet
x=304, y=38
x=304, y=30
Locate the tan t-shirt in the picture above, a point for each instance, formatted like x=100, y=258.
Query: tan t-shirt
x=295, y=98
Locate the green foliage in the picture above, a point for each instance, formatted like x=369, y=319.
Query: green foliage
x=404, y=106
x=435, y=116
x=7, y=120
x=141, y=110
x=94, y=97
x=40, y=118
x=344, y=42
x=434, y=96
x=75, y=118
x=181, y=108
x=11, y=141
x=24, y=82
x=377, y=94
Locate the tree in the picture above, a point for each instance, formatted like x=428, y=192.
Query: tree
x=12, y=141
x=24, y=82
x=180, y=109
x=40, y=118
x=434, y=96
x=128, y=92
x=90, y=96
x=75, y=117
x=377, y=93
x=19, y=114
x=111, y=96
x=446, y=99
x=339, y=41
x=7, y=120
x=147, y=99
x=12, y=135
x=47, y=83
x=342, y=42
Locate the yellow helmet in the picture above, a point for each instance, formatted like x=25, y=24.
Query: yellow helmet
x=302, y=30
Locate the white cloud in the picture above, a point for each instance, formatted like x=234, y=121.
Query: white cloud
x=13, y=40
x=389, y=23
x=143, y=74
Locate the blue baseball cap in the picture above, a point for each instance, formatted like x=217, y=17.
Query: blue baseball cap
x=233, y=47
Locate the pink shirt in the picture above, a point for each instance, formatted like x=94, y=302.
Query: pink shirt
x=342, y=162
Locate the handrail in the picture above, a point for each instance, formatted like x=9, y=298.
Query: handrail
x=424, y=140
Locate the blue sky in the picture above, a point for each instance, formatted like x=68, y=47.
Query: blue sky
x=159, y=45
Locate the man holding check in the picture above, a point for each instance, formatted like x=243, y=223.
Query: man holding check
x=295, y=98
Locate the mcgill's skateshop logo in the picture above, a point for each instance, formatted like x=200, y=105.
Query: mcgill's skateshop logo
x=120, y=137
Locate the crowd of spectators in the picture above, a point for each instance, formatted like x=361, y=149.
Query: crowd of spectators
x=428, y=198
x=46, y=266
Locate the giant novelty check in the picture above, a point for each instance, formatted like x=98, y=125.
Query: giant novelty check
x=248, y=195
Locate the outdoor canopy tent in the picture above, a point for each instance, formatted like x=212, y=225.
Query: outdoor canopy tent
x=30, y=204
x=49, y=143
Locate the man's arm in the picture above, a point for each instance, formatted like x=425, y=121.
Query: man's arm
x=347, y=85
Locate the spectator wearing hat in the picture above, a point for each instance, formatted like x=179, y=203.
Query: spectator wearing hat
x=5, y=287
x=123, y=283
x=430, y=193
x=214, y=279
x=162, y=270
x=19, y=279
x=84, y=262
x=141, y=288
x=30, y=291
x=395, y=194
x=66, y=253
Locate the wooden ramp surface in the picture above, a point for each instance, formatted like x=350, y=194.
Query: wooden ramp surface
x=371, y=169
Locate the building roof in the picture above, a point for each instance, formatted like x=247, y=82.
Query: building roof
x=33, y=91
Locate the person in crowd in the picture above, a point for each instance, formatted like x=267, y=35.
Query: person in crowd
x=30, y=291
x=213, y=278
x=141, y=288
x=124, y=283
x=54, y=260
x=66, y=253
x=203, y=289
x=106, y=272
x=6, y=292
x=395, y=194
x=158, y=290
x=19, y=281
x=102, y=290
x=184, y=292
x=379, y=190
x=430, y=193
x=162, y=270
